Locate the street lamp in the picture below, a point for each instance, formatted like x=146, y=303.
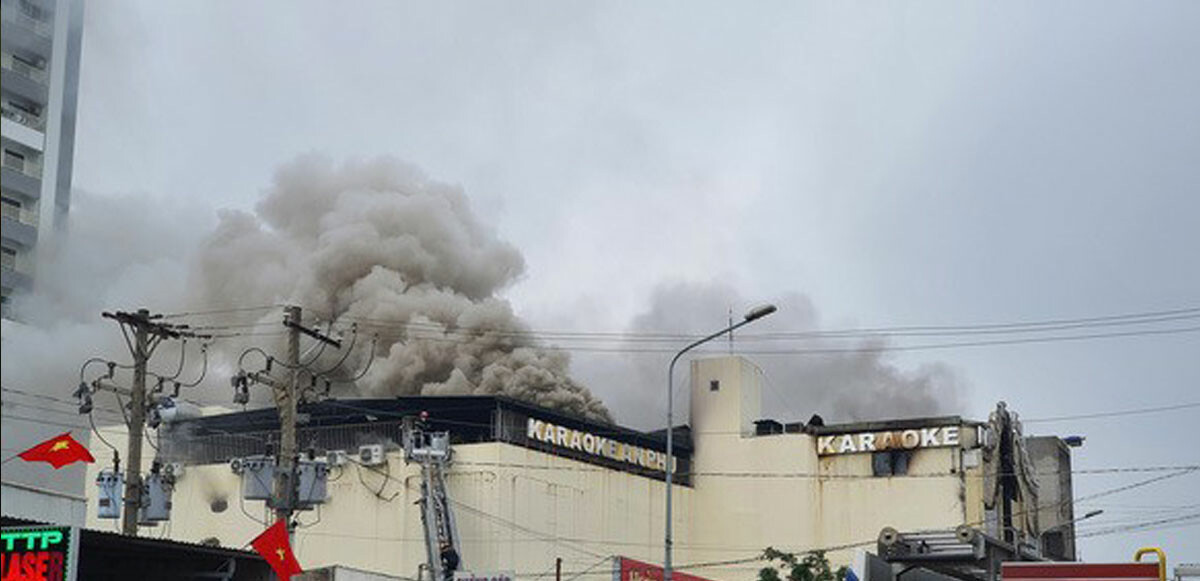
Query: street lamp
x=754, y=315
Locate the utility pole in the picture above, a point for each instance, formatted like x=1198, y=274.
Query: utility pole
x=286, y=399
x=558, y=569
x=147, y=335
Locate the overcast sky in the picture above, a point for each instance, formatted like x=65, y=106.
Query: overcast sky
x=895, y=163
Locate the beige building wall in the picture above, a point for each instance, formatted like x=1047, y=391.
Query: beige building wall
x=518, y=509
x=752, y=492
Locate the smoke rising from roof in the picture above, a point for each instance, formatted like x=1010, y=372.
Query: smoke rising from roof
x=379, y=245
x=858, y=384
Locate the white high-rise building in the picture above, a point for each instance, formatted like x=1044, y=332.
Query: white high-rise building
x=41, y=44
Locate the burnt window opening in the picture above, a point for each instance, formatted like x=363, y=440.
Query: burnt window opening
x=890, y=462
x=714, y=385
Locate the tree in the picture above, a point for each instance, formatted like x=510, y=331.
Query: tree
x=812, y=566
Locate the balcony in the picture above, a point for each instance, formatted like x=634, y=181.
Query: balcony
x=11, y=276
x=21, y=233
x=22, y=78
x=19, y=214
x=27, y=32
x=29, y=71
x=23, y=177
x=23, y=14
x=26, y=166
x=25, y=118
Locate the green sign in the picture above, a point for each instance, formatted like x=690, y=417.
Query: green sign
x=38, y=553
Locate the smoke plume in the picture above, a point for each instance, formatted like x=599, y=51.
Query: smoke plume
x=380, y=246
x=857, y=381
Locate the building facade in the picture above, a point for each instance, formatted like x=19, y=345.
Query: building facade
x=40, y=65
x=528, y=485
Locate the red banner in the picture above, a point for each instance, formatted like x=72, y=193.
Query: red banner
x=632, y=570
x=1079, y=571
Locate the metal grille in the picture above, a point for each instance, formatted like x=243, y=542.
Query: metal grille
x=177, y=445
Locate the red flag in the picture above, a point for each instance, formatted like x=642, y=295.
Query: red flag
x=58, y=451
x=273, y=545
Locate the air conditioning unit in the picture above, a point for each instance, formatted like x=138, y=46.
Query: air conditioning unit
x=336, y=457
x=371, y=455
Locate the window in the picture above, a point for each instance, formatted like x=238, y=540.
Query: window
x=12, y=208
x=9, y=258
x=14, y=159
x=890, y=462
x=25, y=107
x=714, y=385
x=25, y=62
x=33, y=10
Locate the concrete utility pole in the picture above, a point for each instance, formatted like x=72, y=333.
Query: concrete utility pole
x=147, y=334
x=286, y=399
x=137, y=420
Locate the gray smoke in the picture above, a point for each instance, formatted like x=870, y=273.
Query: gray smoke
x=858, y=383
x=118, y=252
x=379, y=245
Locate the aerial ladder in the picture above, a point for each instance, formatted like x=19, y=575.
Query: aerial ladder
x=431, y=450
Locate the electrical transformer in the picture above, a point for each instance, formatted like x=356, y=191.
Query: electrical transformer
x=258, y=477
x=312, y=478
x=111, y=485
x=156, y=499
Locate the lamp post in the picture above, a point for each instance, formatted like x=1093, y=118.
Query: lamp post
x=754, y=315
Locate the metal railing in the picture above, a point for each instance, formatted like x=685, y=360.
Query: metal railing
x=180, y=444
x=23, y=117
x=12, y=63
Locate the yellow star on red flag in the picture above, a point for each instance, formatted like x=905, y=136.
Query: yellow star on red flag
x=58, y=451
x=273, y=545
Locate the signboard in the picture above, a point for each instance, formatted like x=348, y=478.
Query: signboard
x=39, y=553
x=484, y=576
x=939, y=437
x=626, y=569
x=1079, y=571
x=592, y=444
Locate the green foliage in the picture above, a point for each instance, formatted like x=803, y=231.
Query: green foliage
x=813, y=566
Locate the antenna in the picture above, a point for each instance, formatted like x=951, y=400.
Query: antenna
x=731, y=330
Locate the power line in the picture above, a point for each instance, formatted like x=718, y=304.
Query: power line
x=53, y=410
x=1145, y=525
x=845, y=546
x=448, y=332
x=218, y=311
x=1027, y=326
x=1166, y=408
x=486, y=515
x=802, y=351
